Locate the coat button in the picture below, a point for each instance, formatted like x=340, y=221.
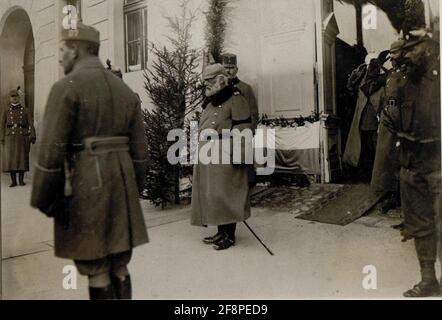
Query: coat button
x=213, y=123
x=215, y=114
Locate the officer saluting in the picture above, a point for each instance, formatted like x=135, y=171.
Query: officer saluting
x=17, y=132
x=416, y=121
x=91, y=167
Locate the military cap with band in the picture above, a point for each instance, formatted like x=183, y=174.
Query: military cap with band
x=81, y=33
x=213, y=70
x=415, y=37
x=230, y=60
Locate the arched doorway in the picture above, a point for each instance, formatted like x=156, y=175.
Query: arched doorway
x=17, y=56
x=29, y=70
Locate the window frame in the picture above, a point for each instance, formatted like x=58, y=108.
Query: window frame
x=140, y=7
x=78, y=5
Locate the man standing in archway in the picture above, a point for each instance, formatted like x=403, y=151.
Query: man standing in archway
x=17, y=132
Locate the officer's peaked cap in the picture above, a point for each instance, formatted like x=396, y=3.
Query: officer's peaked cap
x=230, y=59
x=82, y=32
x=213, y=70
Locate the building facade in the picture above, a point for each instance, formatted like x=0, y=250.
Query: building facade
x=285, y=50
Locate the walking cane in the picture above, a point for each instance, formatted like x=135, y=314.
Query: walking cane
x=260, y=241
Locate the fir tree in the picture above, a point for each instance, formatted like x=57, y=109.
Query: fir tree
x=217, y=19
x=174, y=86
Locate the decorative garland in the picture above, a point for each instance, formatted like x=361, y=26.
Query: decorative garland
x=288, y=122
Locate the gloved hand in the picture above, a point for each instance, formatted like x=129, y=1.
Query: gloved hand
x=33, y=140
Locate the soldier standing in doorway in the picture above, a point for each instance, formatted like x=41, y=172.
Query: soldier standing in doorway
x=385, y=179
x=17, y=132
x=91, y=167
x=416, y=122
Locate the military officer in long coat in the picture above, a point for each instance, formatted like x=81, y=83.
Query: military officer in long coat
x=220, y=192
x=17, y=132
x=91, y=167
x=416, y=122
x=385, y=178
x=230, y=63
x=362, y=139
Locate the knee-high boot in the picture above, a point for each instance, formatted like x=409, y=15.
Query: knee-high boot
x=122, y=287
x=13, y=179
x=426, y=249
x=101, y=293
x=21, y=178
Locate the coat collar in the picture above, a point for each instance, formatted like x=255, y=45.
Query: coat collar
x=90, y=62
x=15, y=107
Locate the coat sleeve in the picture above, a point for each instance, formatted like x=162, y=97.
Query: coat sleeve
x=58, y=122
x=32, y=134
x=138, y=146
x=242, y=123
x=254, y=113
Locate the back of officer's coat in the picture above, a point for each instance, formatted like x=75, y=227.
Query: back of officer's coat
x=104, y=214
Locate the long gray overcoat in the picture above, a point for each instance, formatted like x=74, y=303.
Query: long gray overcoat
x=220, y=192
x=16, y=132
x=104, y=215
x=352, y=151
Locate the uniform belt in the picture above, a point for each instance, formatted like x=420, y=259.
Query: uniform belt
x=101, y=145
x=16, y=126
x=411, y=138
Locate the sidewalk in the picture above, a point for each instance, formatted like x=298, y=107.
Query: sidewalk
x=311, y=260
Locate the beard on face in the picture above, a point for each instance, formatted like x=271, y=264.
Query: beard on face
x=217, y=86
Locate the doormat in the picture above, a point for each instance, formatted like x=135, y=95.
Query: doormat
x=349, y=205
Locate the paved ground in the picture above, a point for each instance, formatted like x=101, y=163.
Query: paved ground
x=311, y=260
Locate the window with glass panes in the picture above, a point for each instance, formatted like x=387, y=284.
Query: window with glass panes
x=77, y=5
x=135, y=15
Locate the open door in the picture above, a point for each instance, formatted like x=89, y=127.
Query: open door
x=326, y=33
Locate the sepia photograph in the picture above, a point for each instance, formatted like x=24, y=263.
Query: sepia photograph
x=220, y=150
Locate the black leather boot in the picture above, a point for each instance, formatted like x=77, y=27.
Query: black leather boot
x=227, y=237
x=423, y=290
x=21, y=178
x=122, y=288
x=13, y=180
x=426, y=249
x=213, y=239
x=224, y=243
x=101, y=293
x=217, y=237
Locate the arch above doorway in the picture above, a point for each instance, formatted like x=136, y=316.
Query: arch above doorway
x=16, y=42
